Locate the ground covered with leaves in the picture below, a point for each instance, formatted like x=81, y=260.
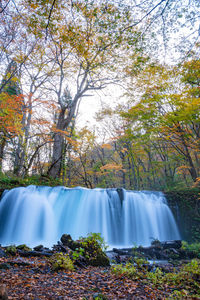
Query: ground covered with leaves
x=82, y=269
x=33, y=278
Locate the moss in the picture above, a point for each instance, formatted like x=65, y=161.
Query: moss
x=11, y=181
x=61, y=261
x=185, y=206
x=93, y=246
x=23, y=247
x=11, y=250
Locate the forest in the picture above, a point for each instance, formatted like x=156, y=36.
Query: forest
x=55, y=56
x=99, y=149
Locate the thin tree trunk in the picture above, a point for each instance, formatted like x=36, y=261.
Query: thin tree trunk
x=2, y=146
x=55, y=168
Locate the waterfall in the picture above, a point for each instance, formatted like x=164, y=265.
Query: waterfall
x=40, y=215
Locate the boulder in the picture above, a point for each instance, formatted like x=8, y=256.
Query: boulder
x=67, y=240
x=99, y=259
x=87, y=250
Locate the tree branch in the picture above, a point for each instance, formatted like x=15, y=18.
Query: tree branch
x=49, y=17
x=2, y=9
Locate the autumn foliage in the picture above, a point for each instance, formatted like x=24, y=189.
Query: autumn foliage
x=11, y=114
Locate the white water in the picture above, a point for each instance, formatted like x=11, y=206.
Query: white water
x=40, y=215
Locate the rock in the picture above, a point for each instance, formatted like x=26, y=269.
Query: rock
x=35, y=253
x=3, y=292
x=23, y=247
x=125, y=251
x=176, y=244
x=11, y=250
x=61, y=248
x=68, y=241
x=81, y=261
x=100, y=259
x=38, y=248
x=157, y=251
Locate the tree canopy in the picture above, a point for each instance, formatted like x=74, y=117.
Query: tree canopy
x=56, y=54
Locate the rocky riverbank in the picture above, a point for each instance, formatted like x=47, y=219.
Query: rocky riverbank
x=81, y=270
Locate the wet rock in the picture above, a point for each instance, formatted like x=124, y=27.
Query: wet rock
x=35, y=253
x=67, y=240
x=23, y=247
x=38, y=248
x=12, y=250
x=176, y=244
x=99, y=259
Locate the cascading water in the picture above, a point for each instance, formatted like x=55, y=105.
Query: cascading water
x=40, y=215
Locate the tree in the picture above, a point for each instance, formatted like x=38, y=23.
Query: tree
x=88, y=47
x=11, y=101
x=168, y=112
x=10, y=119
x=36, y=72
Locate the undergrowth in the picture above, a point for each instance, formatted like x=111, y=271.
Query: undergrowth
x=11, y=181
x=182, y=283
x=60, y=261
x=193, y=248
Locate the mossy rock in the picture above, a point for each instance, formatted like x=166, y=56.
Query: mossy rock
x=93, y=252
x=12, y=250
x=69, y=242
x=24, y=247
x=99, y=260
x=90, y=248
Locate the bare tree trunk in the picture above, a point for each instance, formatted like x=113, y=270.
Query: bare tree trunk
x=55, y=168
x=19, y=164
x=2, y=146
x=63, y=124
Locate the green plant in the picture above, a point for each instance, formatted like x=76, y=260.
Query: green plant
x=179, y=295
x=181, y=282
x=155, y=277
x=61, y=261
x=11, y=250
x=194, y=247
x=94, y=238
x=77, y=253
x=9, y=181
x=23, y=247
x=141, y=262
x=94, y=246
x=127, y=270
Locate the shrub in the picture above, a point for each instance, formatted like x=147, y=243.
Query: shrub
x=94, y=246
x=61, y=261
x=95, y=239
x=127, y=270
x=194, y=248
x=181, y=283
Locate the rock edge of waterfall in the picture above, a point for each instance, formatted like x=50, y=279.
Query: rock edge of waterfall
x=165, y=252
